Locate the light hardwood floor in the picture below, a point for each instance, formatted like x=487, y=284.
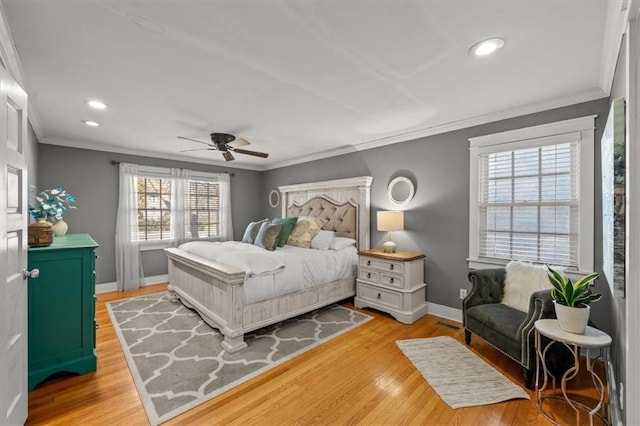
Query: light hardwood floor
x=360, y=377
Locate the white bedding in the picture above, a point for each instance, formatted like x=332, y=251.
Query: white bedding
x=275, y=273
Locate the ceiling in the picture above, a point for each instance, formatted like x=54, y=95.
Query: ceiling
x=298, y=79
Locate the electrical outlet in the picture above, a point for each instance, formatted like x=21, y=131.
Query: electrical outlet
x=463, y=293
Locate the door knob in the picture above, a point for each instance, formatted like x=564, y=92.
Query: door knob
x=34, y=273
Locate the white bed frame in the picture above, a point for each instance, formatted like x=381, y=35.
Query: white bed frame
x=215, y=290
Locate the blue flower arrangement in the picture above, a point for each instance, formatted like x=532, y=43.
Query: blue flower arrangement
x=52, y=204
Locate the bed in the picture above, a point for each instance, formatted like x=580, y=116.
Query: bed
x=216, y=290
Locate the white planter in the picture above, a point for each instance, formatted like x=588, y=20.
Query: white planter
x=573, y=320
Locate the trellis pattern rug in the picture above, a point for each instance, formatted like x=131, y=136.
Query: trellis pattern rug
x=177, y=361
x=457, y=374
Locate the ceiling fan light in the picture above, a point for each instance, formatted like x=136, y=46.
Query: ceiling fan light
x=486, y=47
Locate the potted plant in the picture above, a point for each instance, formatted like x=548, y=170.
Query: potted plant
x=571, y=300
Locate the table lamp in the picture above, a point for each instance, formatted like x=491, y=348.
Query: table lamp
x=390, y=221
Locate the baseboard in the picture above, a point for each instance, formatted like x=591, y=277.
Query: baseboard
x=113, y=286
x=445, y=312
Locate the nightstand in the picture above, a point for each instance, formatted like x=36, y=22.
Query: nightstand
x=392, y=283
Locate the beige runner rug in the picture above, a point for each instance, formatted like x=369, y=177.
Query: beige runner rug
x=457, y=374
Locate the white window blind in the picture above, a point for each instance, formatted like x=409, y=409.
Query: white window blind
x=529, y=203
x=203, y=209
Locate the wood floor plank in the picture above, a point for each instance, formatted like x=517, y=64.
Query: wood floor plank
x=360, y=377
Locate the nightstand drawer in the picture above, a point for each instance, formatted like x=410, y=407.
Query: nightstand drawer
x=382, y=265
x=391, y=280
x=380, y=296
x=368, y=275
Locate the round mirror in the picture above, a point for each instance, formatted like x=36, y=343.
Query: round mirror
x=401, y=190
x=274, y=198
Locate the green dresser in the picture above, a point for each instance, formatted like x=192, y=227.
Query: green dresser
x=62, y=308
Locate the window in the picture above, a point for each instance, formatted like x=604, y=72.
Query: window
x=203, y=209
x=176, y=205
x=154, y=208
x=532, y=196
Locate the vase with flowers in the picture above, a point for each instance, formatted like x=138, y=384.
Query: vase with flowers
x=51, y=205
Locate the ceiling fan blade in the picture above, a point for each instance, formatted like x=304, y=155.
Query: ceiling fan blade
x=193, y=140
x=197, y=149
x=227, y=156
x=254, y=153
x=238, y=143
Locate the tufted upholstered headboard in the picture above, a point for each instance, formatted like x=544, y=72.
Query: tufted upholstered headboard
x=342, y=218
x=344, y=202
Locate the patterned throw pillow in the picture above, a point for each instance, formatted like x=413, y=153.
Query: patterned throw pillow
x=268, y=236
x=288, y=224
x=305, y=231
x=251, y=232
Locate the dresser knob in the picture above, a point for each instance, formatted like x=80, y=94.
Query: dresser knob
x=379, y=296
x=391, y=280
x=368, y=274
x=391, y=266
x=368, y=263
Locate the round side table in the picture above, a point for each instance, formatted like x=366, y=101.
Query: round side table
x=591, y=339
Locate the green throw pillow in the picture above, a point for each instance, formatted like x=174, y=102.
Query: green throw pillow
x=288, y=223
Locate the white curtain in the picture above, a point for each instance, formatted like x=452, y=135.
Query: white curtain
x=226, y=224
x=179, y=211
x=128, y=265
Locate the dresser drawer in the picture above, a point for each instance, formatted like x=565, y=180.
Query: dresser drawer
x=380, y=296
x=390, y=280
x=382, y=265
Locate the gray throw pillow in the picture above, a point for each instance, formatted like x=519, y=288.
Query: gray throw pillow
x=268, y=236
x=252, y=230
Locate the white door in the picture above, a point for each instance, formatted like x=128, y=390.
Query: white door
x=13, y=252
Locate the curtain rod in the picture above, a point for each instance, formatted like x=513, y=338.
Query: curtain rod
x=114, y=162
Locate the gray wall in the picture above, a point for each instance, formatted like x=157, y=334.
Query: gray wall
x=93, y=180
x=437, y=219
x=616, y=306
x=31, y=151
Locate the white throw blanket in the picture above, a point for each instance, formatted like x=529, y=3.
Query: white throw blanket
x=253, y=260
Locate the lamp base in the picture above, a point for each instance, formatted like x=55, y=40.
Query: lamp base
x=389, y=247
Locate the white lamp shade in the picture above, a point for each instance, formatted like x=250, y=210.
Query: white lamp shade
x=390, y=221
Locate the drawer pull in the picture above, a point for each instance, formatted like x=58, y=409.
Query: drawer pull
x=391, y=280
x=368, y=263
x=97, y=326
x=379, y=296
x=368, y=274
x=391, y=266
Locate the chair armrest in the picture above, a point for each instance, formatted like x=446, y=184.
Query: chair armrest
x=487, y=287
x=540, y=306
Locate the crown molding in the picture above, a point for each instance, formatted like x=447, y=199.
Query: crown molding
x=446, y=127
x=11, y=61
x=71, y=143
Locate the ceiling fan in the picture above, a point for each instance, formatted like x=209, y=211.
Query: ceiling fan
x=226, y=144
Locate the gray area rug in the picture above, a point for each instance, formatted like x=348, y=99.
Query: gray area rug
x=176, y=359
x=457, y=374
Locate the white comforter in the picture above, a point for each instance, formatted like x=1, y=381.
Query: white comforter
x=275, y=273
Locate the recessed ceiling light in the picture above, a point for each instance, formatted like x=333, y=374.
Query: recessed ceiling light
x=486, y=47
x=91, y=123
x=96, y=104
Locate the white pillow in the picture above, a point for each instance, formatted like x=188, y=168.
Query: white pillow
x=323, y=240
x=339, y=243
x=522, y=280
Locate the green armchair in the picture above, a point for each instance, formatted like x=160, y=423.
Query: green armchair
x=507, y=329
